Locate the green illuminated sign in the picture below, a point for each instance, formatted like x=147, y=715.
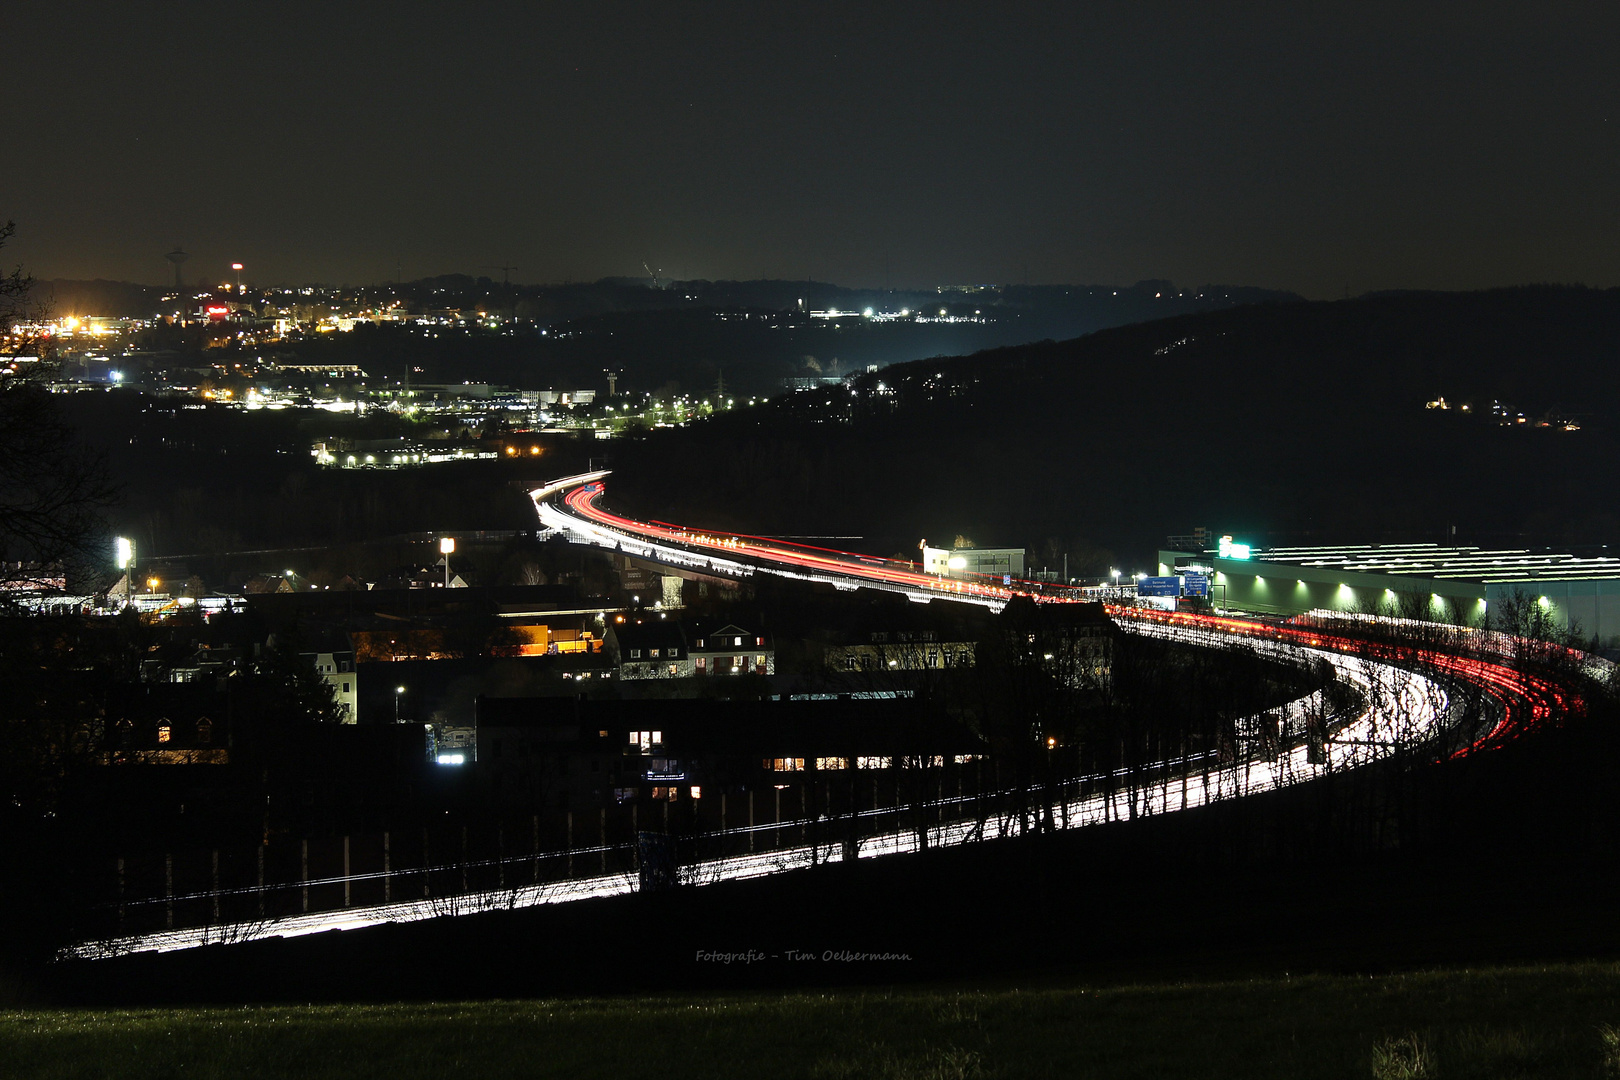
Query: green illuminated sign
x=1229, y=550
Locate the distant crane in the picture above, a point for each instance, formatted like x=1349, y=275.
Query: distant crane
x=651, y=274
x=177, y=256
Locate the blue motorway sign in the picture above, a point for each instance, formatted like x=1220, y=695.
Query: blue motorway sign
x=1158, y=586
x=1195, y=584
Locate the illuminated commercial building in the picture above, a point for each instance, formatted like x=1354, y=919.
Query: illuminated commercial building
x=969, y=563
x=1456, y=584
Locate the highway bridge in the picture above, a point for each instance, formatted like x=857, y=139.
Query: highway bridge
x=572, y=507
x=1516, y=677
x=1429, y=691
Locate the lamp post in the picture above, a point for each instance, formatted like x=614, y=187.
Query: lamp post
x=398, y=693
x=238, y=268
x=446, y=546
x=124, y=549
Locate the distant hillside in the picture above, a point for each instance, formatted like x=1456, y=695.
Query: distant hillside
x=680, y=337
x=1301, y=422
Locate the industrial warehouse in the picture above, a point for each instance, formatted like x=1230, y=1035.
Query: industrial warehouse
x=1458, y=584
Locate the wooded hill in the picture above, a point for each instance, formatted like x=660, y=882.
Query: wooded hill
x=1285, y=423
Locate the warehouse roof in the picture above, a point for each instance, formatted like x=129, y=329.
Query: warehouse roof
x=1435, y=561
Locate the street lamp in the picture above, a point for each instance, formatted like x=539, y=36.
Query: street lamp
x=238, y=268
x=398, y=692
x=446, y=546
x=124, y=551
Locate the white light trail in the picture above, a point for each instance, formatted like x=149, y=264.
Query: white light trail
x=1398, y=706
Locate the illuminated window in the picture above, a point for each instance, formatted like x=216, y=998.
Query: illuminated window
x=697, y=791
x=785, y=764
x=163, y=733
x=666, y=794
x=832, y=762
x=849, y=662
x=653, y=653
x=874, y=762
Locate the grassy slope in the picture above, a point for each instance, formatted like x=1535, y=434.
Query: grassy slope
x=1526, y=1021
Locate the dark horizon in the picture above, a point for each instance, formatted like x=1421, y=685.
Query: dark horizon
x=1339, y=148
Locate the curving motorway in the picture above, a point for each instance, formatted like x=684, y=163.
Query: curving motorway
x=571, y=506
x=1520, y=695
x=1438, y=694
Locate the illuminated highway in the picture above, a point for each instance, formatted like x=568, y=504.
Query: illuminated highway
x=1521, y=698
x=1408, y=698
x=580, y=518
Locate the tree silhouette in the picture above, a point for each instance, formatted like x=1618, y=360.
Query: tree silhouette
x=52, y=489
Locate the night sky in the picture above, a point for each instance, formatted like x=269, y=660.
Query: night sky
x=1314, y=147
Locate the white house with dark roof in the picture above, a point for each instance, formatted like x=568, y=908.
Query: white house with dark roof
x=730, y=649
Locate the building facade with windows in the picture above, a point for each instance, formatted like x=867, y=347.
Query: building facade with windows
x=1463, y=585
x=647, y=646
x=730, y=649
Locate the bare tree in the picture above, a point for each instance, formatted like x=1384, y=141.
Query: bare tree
x=52, y=488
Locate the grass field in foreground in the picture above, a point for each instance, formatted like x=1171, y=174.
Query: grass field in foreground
x=1557, y=1020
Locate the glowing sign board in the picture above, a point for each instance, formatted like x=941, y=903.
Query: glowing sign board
x=1229, y=550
